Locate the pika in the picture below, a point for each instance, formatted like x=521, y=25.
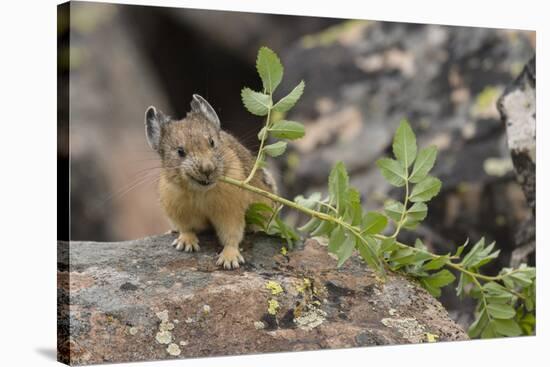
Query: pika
x=194, y=153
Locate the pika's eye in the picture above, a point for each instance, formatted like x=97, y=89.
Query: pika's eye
x=181, y=152
x=211, y=141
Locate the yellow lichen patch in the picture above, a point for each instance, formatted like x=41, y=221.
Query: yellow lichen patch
x=272, y=306
x=311, y=318
x=305, y=285
x=409, y=328
x=173, y=349
x=431, y=338
x=166, y=326
x=163, y=315
x=274, y=287
x=164, y=337
x=284, y=251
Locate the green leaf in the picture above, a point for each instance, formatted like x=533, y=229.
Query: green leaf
x=338, y=183
x=480, y=255
x=394, y=209
x=441, y=278
x=489, y=331
x=324, y=228
x=460, y=249
x=285, y=129
x=368, y=249
x=507, y=327
x=403, y=256
x=393, y=171
x=261, y=134
x=354, y=211
x=436, y=263
x=278, y=226
x=501, y=311
x=374, y=223
x=495, y=293
x=287, y=102
x=417, y=212
x=337, y=238
x=520, y=279
x=463, y=281
x=255, y=102
x=387, y=245
x=310, y=225
x=425, y=189
x=527, y=323
x=346, y=250
x=415, y=215
x=404, y=144
x=423, y=164
x=258, y=214
x=478, y=325
x=270, y=69
x=275, y=149
x=310, y=202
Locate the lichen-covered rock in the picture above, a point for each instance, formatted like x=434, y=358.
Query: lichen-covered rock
x=518, y=106
x=142, y=300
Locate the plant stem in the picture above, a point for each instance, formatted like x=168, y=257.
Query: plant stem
x=356, y=231
x=259, y=157
x=402, y=219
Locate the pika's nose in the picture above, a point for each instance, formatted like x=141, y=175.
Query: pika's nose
x=207, y=169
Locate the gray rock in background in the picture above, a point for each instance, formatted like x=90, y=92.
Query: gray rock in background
x=143, y=300
x=517, y=107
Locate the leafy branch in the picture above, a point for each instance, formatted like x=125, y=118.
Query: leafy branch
x=506, y=302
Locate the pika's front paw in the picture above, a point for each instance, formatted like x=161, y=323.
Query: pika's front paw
x=230, y=258
x=186, y=241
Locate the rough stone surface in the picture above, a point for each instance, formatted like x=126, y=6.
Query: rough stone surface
x=142, y=300
x=517, y=107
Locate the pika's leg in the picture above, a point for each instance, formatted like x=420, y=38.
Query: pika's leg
x=186, y=241
x=230, y=232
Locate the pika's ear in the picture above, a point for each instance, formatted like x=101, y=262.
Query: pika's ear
x=154, y=119
x=200, y=105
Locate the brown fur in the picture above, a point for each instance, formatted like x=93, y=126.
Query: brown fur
x=193, y=208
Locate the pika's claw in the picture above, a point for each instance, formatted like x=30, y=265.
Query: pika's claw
x=230, y=258
x=186, y=241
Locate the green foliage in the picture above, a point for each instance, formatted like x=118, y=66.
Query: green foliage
x=255, y=102
x=287, y=130
x=270, y=69
x=267, y=219
x=404, y=144
x=275, y=149
x=287, y=102
x=505, y=302
x=271, y=72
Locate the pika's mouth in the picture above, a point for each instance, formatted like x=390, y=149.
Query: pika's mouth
x=202, y=182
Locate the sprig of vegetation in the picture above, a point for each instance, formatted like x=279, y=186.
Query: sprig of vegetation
x=505, y=302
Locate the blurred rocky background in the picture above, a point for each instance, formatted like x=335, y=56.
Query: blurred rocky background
x=362, y=78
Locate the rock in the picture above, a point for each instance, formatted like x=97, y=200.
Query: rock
x=123, y=301
x=517, y=107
